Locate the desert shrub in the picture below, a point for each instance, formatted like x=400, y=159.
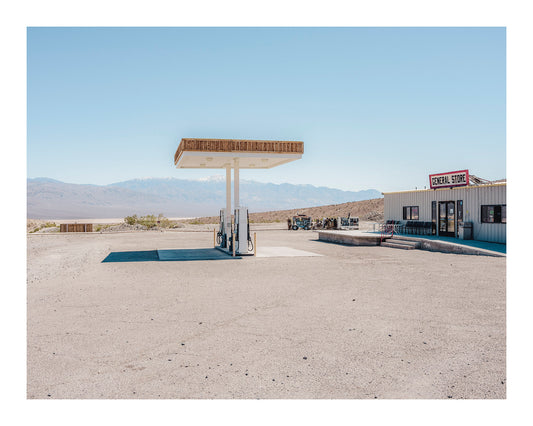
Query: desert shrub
x=37, y=228
x=150, y=221
x=131, y=220
x=165, y=222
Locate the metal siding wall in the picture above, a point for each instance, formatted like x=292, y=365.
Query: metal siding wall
x=487, y=229
x=473, y=198
x=490, y=231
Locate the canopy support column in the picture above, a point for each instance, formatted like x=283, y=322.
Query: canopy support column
x=236, y=183
x=227, y=218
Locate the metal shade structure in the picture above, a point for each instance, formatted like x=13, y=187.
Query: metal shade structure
x=235, y=154
x=222, y=153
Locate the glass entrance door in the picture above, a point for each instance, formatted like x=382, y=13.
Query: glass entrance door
x=447, y=218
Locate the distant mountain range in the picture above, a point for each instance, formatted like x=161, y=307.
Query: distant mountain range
x=52, y=199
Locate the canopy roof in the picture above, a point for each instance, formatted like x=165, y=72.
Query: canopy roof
x=221, y=153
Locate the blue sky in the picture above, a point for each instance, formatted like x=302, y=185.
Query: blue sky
x=376, y=107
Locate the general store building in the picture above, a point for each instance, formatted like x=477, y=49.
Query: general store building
x=455, y=203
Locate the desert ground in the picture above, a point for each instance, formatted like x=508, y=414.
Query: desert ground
x=353, y=323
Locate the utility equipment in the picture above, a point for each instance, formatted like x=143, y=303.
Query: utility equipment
x=348, y=222
x=329, y=223
x=301, y=221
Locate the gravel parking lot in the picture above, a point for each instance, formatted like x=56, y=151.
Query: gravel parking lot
x=357, y=322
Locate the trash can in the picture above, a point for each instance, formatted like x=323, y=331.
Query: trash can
x=465, y=230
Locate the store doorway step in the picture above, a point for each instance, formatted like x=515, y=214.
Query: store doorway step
x=401, y=243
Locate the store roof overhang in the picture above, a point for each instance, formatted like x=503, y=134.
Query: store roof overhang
x=222, y=153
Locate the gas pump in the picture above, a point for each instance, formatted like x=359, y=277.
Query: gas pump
x=224, y=229
x=243, y=240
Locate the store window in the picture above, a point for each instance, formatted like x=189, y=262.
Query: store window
x=494, y=214
x=410, y=213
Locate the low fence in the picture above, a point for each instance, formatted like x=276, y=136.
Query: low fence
x=76, y=227
x=409, y=227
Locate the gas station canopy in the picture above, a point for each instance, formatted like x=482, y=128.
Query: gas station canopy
x=222, y=153
x=235, y=154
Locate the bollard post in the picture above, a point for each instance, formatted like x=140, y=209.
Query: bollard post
x=233, y=238
x=214, y=238
x=255, y=243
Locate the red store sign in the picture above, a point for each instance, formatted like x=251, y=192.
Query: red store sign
x=448, y=180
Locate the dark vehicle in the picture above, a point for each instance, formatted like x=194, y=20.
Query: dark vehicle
x=301, y=221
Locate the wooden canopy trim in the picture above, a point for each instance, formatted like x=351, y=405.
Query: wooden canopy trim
x=238, y=145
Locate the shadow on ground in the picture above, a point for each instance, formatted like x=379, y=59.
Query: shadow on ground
x=132, y=256
x=176, y=255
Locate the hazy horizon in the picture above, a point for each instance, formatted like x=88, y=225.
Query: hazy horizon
x=174, y=197
x=211, y=178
